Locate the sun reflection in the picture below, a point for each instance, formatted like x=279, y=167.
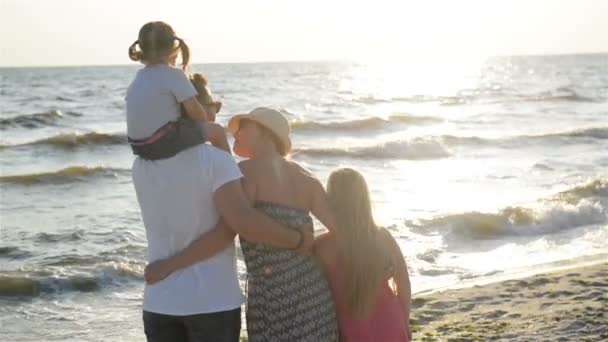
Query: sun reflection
x=419, y=79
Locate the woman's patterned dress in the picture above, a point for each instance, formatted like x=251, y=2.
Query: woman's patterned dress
x=289, y=299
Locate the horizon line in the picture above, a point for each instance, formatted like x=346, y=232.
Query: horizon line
x=286, y=61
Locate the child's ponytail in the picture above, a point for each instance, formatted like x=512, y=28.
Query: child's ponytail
x=185, y=50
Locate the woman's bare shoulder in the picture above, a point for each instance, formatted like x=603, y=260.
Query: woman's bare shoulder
x=250, y=167
x=303, y=173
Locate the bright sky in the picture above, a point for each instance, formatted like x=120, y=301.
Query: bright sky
x=85, y=32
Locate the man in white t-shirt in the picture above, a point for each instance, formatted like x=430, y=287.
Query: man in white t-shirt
x=182, y=198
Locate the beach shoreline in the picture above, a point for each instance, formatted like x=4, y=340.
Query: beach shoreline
x=566, y=305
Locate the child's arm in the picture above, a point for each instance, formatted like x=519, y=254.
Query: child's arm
x=194, y=110
x=216, y=134
x=401, y=276
x=185, y=94
x=205, y=247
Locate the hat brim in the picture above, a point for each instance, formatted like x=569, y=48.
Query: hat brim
x=235, y=121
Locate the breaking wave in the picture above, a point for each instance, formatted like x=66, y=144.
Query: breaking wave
x=579, y=206
x=35, y=120
x=414, y=150
x=38, y=282
x=370, y=123
x=69, y=174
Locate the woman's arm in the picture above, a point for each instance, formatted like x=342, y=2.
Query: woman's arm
x=216, y=134
x=253, y=225
x=234, y=203
x=325, y=251
x=401, y=276
x=320, y=205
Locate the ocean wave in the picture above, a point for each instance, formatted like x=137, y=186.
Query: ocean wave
x=34, y=283
x=592, y=189
x=555, y=95
x=464, y=140
x=580, y=206
x=542, y=167
x=418, y=149
x=591, y=132
x=59, y=237
x=559, y=94
x=434, y=272
x=361, y=124
x=429, y=256
x=599, y=133
x=442, y=100
x=71, y=260
x=35, y=120
x=64, y=99
x=519, y=220
x=13, y=252
x=11, y=286
x=67, y=175
x=371, y=100
x=73, y=140
x=70, y=140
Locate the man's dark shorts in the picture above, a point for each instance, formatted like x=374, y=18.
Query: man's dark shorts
x=211, y=327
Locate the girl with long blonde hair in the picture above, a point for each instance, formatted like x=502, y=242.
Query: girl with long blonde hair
x=359, y=259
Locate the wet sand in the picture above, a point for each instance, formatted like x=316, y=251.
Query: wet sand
x=570, y=305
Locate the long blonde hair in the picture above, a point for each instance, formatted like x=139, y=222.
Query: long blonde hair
x=359, y=242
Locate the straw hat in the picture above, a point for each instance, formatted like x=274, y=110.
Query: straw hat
x=270, y=118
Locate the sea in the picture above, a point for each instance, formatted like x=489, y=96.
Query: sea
x=482, y=169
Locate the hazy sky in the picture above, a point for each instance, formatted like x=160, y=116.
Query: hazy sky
x=83, y=32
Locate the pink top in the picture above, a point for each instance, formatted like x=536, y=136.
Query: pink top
x=386, y=322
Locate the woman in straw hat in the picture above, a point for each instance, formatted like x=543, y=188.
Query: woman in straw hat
x=289, y=298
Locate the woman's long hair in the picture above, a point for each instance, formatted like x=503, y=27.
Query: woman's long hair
x=365, y=260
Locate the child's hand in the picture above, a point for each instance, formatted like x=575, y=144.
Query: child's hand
x=157, y=271
x=216, y=134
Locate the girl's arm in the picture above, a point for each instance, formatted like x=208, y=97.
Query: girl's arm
x=216, y=134
x=194, y=110
x=401, y=276
x=185, y=94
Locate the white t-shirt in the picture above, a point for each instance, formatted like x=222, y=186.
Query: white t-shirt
x=176, y=200
x=153, y=99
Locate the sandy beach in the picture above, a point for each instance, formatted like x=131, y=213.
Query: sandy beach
x=569, y=305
